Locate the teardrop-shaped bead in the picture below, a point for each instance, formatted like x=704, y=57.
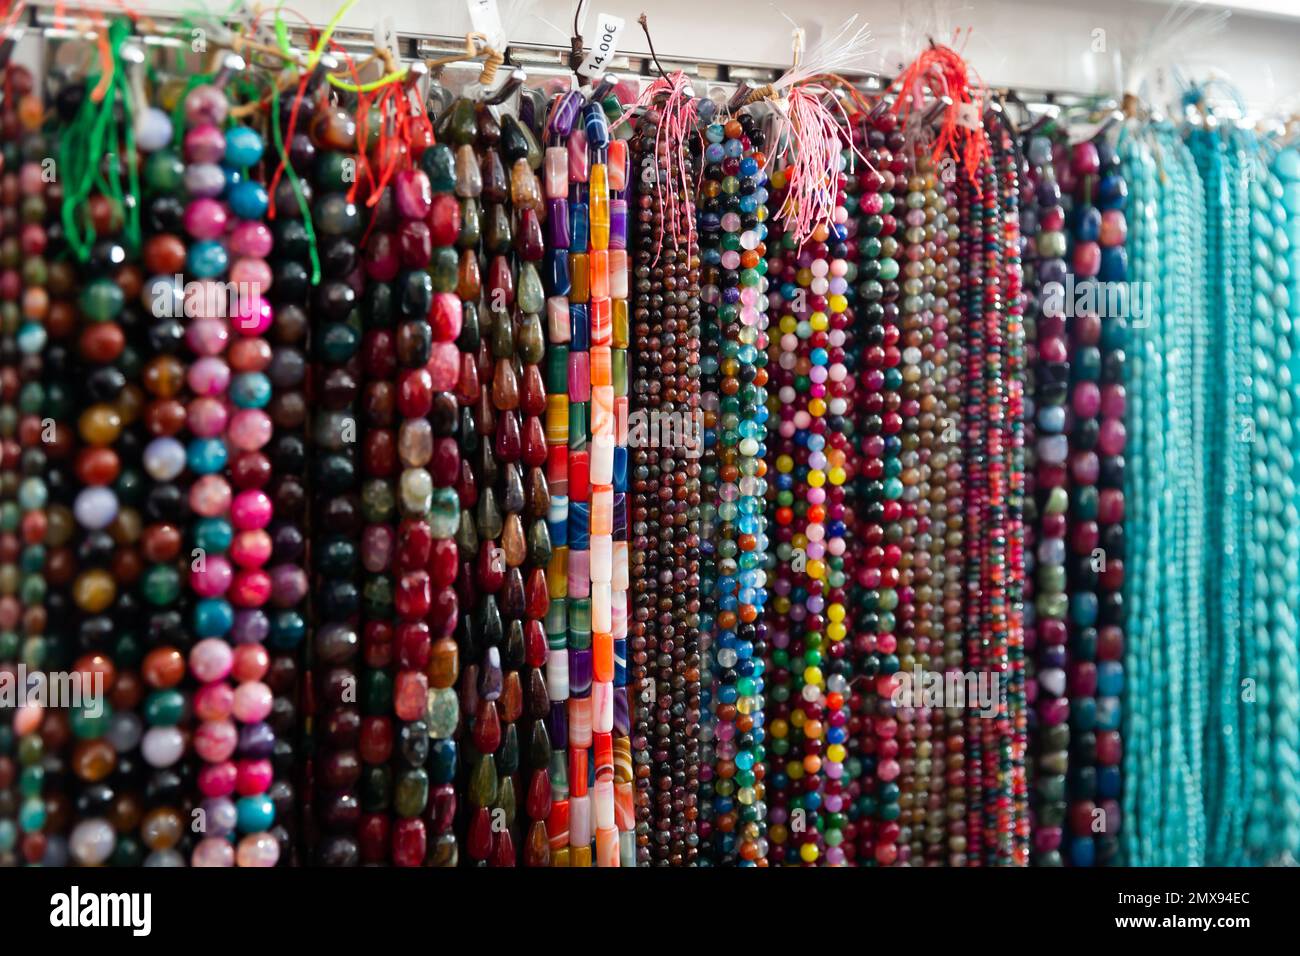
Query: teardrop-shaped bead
x=513, y=541
x=524, y=191
x=530, y=295
x=469, y=179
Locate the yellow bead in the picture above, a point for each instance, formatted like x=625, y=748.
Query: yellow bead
x=816, y=478
x=779, y=729
x=836, y=631
x=100, y=425
x=797, y=718
x=816, y=407
x=837, y=303
x=835, y=612
x=788, y=324
x=835, y=753
x=808, y=853
x=784, y=464
x=94, y=591
x=816, y=569
x=837, y=476
x=819, y=321
x=812, y=675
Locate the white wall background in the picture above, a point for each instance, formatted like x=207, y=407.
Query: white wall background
x=1035, y=44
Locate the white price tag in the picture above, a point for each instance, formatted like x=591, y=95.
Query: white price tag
x=486, y=19
x=386, y=38
x=603, y=48
x=969, y=115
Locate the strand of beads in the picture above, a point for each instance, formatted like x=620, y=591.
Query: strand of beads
x=812, y=452
x=614, y=664
x=974, y=463
x=1010, y=166
x=1112, y=198
x=878, y=490
x=392, y=599
x=436, y=503
x=336, y=522
x=1047, y=499
x=291, y=262
x=584, y=195
x=528, y=650
x=105, y=641
x=1229, y=427
x=248, y=434
x=922, y=303
x=229, y=427
x=1286, y=666
x=654, y=358
x=1274, y=497
x=164, y=461
x=1084, y=328
x=735, y=306
x=940, y=487
x=608, y=290
x=666, y=561
x=12, y=606
x=58, y=438
x=26, y=271
x=566, y=336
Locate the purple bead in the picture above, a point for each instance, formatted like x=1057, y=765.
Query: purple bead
x=206, y=104
x=204, y=180
x=557, y=223
x=557, y=724
x=566, y=113
x=622, y=721
x=256, y=741
x=580, y=671
x=618, y=224
x=251, y=627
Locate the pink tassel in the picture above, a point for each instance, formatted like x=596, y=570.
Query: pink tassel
x=678, y=116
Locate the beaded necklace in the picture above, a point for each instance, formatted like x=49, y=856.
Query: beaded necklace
x=1046, y=489
x=228, y=427
x=25, y=244
x=667, y=446
x=337, y=521
x=880, y=512
x=287, y=483
x=1274, y=492
x=810, y=580
x=1229, y=431
x=1285, y=724
x=11, y=602
x=106, y=472
x=735, y=305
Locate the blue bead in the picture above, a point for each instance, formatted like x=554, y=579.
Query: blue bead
x=1082, y=851
x=250, y=390
x=243, y=147
x=206, y=456
x=248, y=200
x=1110, y=679
x=206, y=259
x=254, y=814
x=213, y=617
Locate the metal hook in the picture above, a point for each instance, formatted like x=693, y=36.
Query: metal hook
x=9, y=43
x=231, y=63
x=602, y=87
x=512, y=83
x=941, y=106
x=1116, y=116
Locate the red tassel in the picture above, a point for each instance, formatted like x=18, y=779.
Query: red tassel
x=942, y=66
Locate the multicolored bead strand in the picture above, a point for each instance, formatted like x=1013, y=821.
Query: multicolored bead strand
x=336, y=522
x=1047, y=497
x=735, y=306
